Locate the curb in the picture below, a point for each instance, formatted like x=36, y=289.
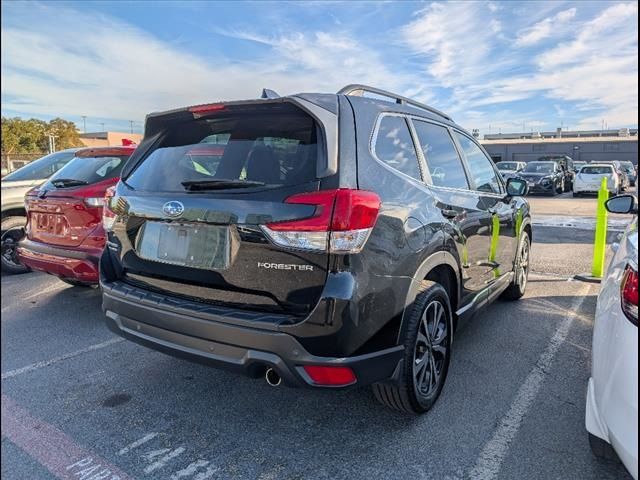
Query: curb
x=587, y=277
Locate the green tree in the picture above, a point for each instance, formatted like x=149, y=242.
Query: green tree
x=31, y=136
x=66, y=133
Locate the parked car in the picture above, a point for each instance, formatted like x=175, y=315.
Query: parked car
x=64, y=234
x=292, y=261
x=612, y=394
x=621, y=171
x=510, y=169
x=566, y=165
x=590, y=177
x=578, y=164
x=14, y=186
x=544, y=177
x=631, y=171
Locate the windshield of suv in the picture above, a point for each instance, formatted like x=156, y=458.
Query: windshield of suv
x=539, y=167
x=597, y=170
x=42, y=168
x=224, y=151
x=87, y=170
x=507, y=165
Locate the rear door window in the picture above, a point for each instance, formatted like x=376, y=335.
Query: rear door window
x=394, y=146
x=273, y=148
x=443, y=162
x=481, y=168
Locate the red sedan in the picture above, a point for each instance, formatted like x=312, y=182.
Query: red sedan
x=64, y=234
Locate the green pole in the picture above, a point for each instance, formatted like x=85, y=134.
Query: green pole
x=495, y=237
x=601, y=232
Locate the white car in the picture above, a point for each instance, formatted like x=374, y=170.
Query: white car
x=612, y=394
x=589, y=178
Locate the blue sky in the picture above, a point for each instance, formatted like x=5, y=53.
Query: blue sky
x=495, y=66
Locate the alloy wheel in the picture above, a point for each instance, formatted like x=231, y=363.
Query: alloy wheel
x=523, y=265
x=8, y=246
x=430, y=353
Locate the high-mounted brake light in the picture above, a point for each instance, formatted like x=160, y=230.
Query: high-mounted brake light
x=629, y=294
x=108, y=215
x=201, y=109
x=342, y=222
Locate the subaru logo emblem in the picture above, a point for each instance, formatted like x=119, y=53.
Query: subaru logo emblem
x=173, y=209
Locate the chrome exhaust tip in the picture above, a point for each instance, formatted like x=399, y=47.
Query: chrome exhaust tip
x=272, y=377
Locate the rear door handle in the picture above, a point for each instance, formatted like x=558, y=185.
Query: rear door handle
x=449, y=213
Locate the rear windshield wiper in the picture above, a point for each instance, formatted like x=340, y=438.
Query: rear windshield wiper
x=219, y=184
x=67, y=182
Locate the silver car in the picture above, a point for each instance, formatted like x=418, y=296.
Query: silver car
x=14, y=187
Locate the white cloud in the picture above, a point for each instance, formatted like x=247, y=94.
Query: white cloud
x=544, y=29
x=98, y=66
x=453, y=42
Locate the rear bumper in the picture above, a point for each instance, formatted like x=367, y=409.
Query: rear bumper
x=215, y=340
x=77, y=263
x=539, y=188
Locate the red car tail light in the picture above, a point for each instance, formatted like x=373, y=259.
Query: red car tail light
x=342, y=221
x=629, y=294
x=330, y=376
x=108, y=215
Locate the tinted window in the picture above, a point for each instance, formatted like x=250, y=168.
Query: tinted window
x=91, y=169
x=480, y=166
x=42, y=168
x=442, y=158
x=540, y=167
x=507, y=166
x=275, y=148
x=394, y=146
x=595, y=170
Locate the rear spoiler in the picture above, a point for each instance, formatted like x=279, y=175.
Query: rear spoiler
x=322, y=107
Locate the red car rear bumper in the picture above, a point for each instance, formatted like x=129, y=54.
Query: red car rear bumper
x=78, y=263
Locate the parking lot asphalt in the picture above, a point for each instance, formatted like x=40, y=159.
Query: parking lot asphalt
x=79, y=403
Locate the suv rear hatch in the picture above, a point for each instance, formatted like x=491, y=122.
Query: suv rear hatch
x=192, y=209
x=68, y=207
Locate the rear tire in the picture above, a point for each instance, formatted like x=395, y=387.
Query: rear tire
x=601, y=449
x=10, y=236
x=576, y=194
x=518, y=285
x=78, y=283
x=427, y=352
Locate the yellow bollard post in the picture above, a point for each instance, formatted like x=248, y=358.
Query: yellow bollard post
x=600, y=243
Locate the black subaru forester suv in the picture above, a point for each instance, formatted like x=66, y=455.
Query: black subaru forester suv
x=323, y=240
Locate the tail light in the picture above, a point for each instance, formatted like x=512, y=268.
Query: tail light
x=108, y=215
x=629, y=294
x=330, y=376
x=342, y=222
x=94, y=201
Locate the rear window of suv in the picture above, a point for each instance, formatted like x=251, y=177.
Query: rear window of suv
x=273, y=148
x=90, y=170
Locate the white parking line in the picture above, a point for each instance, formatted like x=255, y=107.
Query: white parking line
x=46, y=363
x=137, y=443
x=496, y=449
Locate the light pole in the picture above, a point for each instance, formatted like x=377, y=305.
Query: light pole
x=84, y=123
x=131, y=126
x=102, y=125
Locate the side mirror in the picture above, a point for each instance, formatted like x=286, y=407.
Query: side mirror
x=622, y=204
x=517, y=187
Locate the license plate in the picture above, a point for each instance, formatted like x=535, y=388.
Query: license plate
x=531, y=184
x=185, y=244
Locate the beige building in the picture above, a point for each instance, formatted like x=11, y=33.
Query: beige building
x=108, y=139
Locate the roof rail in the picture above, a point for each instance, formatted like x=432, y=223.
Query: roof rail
x=358, y=90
